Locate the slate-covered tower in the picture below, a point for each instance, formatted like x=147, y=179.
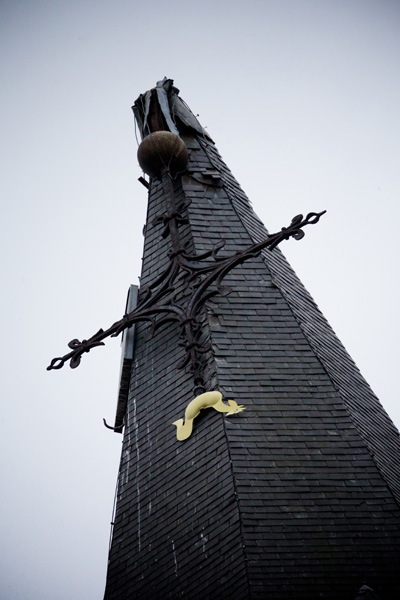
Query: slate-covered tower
x=295, y=497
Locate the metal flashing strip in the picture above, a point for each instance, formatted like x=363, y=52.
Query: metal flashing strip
x=127, y=353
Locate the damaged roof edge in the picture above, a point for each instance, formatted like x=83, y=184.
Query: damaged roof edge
x=172, y=107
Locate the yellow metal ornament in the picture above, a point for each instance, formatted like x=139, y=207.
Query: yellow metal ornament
x=207, y=400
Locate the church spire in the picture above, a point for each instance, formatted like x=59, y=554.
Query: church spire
x=296, y=496
x=256, y=462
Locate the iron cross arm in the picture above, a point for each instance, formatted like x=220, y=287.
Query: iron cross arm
x=158, y=304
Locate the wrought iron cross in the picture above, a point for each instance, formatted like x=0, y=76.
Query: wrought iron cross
x=163, y=156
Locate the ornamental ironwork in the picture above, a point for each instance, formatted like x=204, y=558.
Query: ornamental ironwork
x=158, y=302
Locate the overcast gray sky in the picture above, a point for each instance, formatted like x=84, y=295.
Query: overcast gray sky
x=302, y=99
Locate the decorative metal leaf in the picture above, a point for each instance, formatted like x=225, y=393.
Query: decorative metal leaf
x=75, y=361
x=297, y=220
x=313, y=217
x=56, y=363
x=299, y=234
x=183, y=362
x=74, y=344
x=218, y=246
